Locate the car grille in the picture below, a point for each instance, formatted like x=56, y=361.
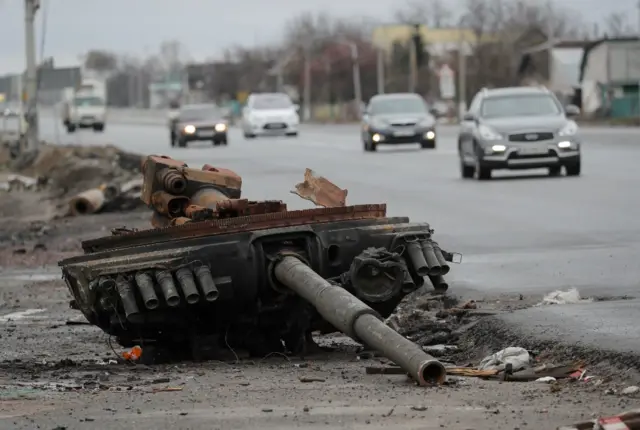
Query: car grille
x=404, y=123
x=87, y=118
x=275, y=126
x=530, y=137
x=517, y=156
x=206, y=128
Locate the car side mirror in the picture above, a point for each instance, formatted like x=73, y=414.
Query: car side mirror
x=296, y=106
x=469, y=117
x=434, y=112
x=572, y=111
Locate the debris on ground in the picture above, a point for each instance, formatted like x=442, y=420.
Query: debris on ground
x=558, y=297
x=629, y=420
x=77, y=179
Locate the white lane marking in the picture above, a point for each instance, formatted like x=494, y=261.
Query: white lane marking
x=16, y=316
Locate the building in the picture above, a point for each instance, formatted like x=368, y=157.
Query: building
x=439, y=41
x=555, y=65
x=52, y=83
x=610, y=78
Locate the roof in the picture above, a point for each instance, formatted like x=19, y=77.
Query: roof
x=559, y=44
x=512, y=91
x=595, y=44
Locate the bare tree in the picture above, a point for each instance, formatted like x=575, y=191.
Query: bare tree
x=101, y=61
x=617, y=25
x=432, y=13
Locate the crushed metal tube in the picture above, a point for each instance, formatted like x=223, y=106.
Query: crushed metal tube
x=216, y=267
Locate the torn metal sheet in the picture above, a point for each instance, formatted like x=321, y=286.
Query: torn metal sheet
x=320, y=191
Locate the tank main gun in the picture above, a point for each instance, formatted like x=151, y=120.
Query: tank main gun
x=219, y=270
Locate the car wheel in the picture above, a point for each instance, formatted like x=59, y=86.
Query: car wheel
x=466, y=172
x=71, y=128
x=249, y=136
x=428, y=144
x=98, y=127
x=182, y=143
x=369, y=146
x=172, y=139
x=294, y=134
x=573, y=169
x=482, y=172
x=555, y=170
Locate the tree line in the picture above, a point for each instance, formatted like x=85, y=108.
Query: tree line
x=324, y=44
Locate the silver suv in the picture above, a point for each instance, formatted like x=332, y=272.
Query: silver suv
x=518, y=128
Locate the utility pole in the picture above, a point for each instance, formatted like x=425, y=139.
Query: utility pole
x=462, y=72
x=307, y=82
x=380, y=71
x=413, y=68
x=30, y=8
x=357, y=87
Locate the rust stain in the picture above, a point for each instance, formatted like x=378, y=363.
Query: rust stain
x=244, y=223
x=320, y=191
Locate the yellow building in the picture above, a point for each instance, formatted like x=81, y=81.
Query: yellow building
x=439, y=41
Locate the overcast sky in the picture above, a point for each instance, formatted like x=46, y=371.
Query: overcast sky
x=206, y=27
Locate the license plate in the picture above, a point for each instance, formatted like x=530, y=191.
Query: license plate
x=205, y=133
x=532, y=151
x=404, y=133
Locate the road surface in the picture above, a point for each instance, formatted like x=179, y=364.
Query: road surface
x=518, y=234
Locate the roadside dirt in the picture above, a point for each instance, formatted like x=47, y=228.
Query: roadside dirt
x=57, y=373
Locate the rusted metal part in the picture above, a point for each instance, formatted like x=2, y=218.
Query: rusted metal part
x=175, y=177
x=169, y=205
x=247, y=223
x=208, y=197
x=320, y=191
x=179, y=221
x=159, y=221
x=199, y=213
x=88, y=202
x=244, y=207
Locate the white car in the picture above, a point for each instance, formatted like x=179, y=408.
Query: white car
x=270, y=114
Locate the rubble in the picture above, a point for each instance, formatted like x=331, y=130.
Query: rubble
x=78, y=179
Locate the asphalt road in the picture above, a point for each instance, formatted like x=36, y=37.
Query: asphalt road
x=527, y=234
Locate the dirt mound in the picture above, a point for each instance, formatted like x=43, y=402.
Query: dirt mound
x=72, y=169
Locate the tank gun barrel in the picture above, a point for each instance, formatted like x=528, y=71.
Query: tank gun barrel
x=357, y=320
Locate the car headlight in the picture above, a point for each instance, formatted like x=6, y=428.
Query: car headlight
x=487, y=133
x=189, y=129
x=221, y=127
x=570, y=129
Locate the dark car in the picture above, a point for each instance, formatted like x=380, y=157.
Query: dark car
x=197, y=123
x=398, y=118
x=518, y=128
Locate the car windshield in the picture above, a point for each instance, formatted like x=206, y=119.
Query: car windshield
x=519, y=105
x=200, y=113
x=89, y=101
x=398, y=105
x=272, y=102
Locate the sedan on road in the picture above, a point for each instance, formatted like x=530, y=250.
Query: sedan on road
x=518, y=128
x=198, y=122
x=398, y=118
x=270, y=114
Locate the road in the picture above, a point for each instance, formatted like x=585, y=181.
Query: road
x=518, y=233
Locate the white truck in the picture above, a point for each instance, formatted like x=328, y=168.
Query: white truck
x=85, y=106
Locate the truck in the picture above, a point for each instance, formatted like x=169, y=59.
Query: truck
x=85, y=106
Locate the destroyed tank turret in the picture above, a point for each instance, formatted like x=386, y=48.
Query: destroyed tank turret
x=221, y=270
